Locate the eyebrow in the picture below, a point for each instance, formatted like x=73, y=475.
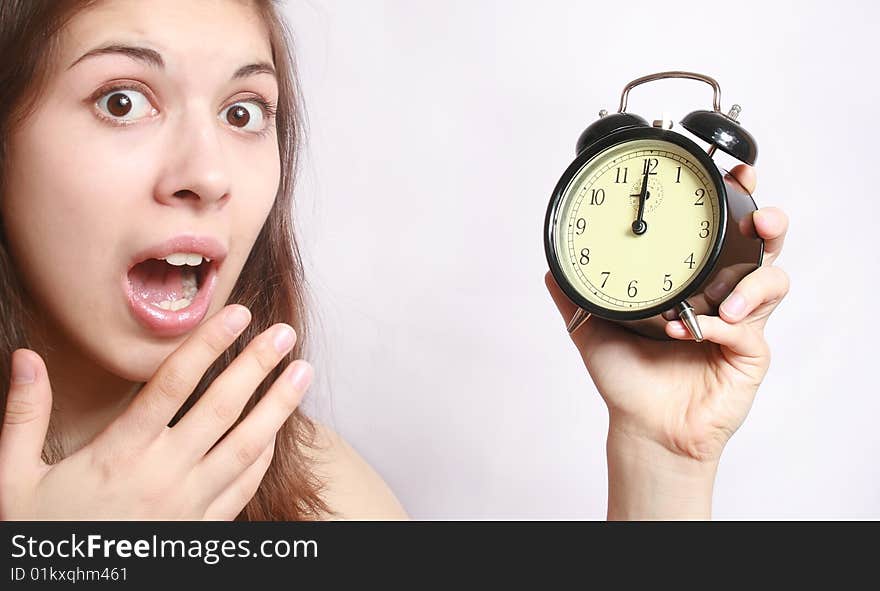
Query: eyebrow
x=153, y=58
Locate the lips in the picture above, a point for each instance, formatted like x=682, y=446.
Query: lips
x=150, y=280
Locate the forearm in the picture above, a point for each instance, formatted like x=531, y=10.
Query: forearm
x=648, y=481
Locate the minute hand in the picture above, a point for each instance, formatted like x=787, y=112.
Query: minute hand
x=640, y=226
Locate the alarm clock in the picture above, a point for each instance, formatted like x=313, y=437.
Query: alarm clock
x=644, y=227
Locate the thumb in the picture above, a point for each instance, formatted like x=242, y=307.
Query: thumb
x=26, y=418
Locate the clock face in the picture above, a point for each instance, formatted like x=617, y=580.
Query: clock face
x=623, y=261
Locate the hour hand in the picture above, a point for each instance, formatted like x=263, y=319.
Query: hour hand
x=640, y=226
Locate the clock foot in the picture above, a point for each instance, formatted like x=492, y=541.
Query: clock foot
x=578, y=320
x=687, y=316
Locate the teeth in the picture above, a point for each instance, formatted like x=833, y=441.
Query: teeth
x=180, y=304
x=190, y=283
x=175, y=305
x=179, y=259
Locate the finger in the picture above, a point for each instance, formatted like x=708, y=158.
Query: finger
x=159, y=400
x=722, y=285
x=743, y=339
x=746, y=176
x=220, y=406
x=764, y=287
x=26, y=418
x=237, y=495
x=240, y=448
x=771, y=223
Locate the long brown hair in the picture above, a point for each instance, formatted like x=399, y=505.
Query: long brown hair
x=271, y=283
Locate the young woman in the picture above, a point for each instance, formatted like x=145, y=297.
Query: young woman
x=148, y=152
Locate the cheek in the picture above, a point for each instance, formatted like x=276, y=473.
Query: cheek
x=66, y=214
x=61, y=209
x=258, y=185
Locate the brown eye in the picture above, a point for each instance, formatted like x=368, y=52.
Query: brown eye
x=119, y=104
x=239, y=116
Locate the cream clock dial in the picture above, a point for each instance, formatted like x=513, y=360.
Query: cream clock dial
x=620, y=259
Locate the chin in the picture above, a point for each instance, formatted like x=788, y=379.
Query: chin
x=136, y=361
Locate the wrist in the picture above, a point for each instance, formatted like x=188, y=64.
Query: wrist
x=646, y=480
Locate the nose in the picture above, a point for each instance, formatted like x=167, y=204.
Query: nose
x=195, y=170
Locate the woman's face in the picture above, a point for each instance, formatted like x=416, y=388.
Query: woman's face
x=129, y=150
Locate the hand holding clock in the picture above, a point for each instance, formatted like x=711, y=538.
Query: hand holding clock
x=673, y=405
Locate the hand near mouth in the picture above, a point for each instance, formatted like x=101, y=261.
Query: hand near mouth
x=138, y=467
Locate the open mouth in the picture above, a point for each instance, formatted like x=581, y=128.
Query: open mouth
x=170, y=286
x=170, y=283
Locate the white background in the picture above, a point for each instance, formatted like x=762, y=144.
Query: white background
x=438, y=130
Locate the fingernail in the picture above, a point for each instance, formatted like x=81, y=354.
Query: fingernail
x=23, y=371
x=301, y=376
x=284, y=337
x=236, y=319
x=733, y=305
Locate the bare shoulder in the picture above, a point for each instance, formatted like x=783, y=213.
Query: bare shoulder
x=352, y=488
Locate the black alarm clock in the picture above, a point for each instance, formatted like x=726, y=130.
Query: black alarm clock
x=643, y=227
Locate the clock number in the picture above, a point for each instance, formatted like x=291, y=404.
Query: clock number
x=678, y=175
x=650, y=166
x=597, y=196
x=585, y=256
x=690, y=261
x=631, y=289
x=581, y=226
x=704, y=231
x=607, y=275
x=618, y=179
x=700, y=193
x=667, y=283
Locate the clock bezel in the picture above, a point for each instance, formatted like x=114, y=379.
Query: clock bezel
x=588, y=154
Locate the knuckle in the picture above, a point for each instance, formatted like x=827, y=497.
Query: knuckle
x=775, y=284
x=225, y=412
x=213, y=342
x=248, y=453
x=20, y=410
x=105, y=466
x=758, y=281
x=172, y=383
x=265, y=355
x=784, y=281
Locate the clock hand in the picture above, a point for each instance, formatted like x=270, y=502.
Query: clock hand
x=640, y=226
